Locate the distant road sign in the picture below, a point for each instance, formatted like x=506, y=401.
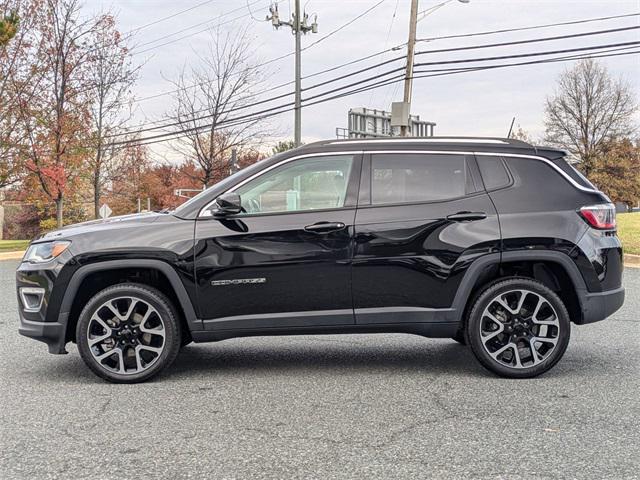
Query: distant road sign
x=105, y=211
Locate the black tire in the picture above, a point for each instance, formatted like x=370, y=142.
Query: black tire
x=477, y=320
x=164, y=314
x=460, y=337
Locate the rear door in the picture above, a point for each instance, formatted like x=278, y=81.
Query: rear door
x=422, y=219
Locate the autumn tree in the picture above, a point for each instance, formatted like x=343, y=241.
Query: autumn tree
x=55, y=121
x=617, y=171
x=9, y=23
x=110, y=78
x=123, y=192
x=207, y=99
x=588, y=110
x=17, y=80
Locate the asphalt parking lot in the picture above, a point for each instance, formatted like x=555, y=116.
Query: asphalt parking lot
x=369, y=406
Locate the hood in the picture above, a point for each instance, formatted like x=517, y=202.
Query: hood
x=122, y=221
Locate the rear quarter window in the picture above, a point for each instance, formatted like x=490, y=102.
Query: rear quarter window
x=494, y=172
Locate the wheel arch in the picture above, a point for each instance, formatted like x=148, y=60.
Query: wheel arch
x=554, y=269
x=90, y=279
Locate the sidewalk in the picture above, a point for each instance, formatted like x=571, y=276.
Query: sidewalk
x=11, y=255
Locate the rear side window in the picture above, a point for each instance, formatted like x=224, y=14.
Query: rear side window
x=410, y=178
x=573, y=173
x=494, y=172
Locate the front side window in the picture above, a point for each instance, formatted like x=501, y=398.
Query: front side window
x=408, y=178
x=313, y=183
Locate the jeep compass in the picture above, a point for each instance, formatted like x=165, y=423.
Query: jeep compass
x=493, y=243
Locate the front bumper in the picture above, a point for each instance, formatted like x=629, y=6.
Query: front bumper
x=51, y=333
x=44, y=322
x=598, y=306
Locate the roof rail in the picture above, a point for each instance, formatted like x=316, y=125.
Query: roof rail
x=459, y=140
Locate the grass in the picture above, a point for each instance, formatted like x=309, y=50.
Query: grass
x=629, y=231
x=13, y=245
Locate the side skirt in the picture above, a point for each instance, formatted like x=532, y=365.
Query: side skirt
x=432, y=330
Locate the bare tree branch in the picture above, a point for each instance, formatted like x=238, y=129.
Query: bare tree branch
x=226, y=80
x=588, y=110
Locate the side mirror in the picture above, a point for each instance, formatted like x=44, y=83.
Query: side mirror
x=228, y=204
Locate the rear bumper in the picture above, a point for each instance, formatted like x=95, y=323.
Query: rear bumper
x=51, y=333
x=598, y=306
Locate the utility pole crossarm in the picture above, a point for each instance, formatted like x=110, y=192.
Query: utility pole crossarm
x=299, y=26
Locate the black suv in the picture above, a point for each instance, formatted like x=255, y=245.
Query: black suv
x=492, y=242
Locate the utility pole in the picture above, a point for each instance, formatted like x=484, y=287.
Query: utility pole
x=298, y=24
x=408, y=77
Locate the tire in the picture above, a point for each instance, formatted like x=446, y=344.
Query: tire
x=138, y=324
x=518, y=328
x=460, y=337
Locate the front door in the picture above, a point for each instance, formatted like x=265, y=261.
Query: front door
x=423, y=219
x=286, y=260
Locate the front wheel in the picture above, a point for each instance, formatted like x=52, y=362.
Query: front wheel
x=518, y=328
x=128, y=333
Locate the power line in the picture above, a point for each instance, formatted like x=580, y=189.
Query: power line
x=306, y=101
x=169, y=17
x=534, y=40
x=273, y=60
x=525, y=55
x=386, y=40
x=423, y=52
x=518, y=29
x=573, y=22
x=208, y=22
x=232, y=122
x=131, y=33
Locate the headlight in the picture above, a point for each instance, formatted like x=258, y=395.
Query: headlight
x=43, y=252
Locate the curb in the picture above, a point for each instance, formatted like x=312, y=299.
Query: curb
x=12, y=255
x=632, y=261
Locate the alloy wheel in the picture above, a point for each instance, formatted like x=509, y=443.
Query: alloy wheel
x=126, y=335
x=519, y=328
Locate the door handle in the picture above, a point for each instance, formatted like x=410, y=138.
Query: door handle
x=324, y=227
x=466, y=216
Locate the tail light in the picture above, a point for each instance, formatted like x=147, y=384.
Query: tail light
x=601, y=217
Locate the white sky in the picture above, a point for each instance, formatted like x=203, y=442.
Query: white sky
x=479, y=103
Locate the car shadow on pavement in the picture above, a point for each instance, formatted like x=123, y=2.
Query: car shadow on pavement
x=324, y=354
x=313, y=355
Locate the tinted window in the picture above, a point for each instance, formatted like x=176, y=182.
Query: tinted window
x=575, y=174
x=401, y=178
x=307, y=184
x=494, y=173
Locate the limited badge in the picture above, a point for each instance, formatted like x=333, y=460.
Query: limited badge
x=237, y=281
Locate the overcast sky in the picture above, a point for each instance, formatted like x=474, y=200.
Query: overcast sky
x=478, y=103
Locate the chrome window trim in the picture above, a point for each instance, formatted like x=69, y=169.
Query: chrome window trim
x=544, y=160
x=205, y=209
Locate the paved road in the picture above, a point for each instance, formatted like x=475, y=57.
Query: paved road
x=370, y=406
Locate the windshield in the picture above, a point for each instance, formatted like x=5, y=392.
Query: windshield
x=223, y=184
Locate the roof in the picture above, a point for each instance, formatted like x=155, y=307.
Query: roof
x=477, y=144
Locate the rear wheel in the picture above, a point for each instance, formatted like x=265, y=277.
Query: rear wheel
x=518, y=328
x=128, y=333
